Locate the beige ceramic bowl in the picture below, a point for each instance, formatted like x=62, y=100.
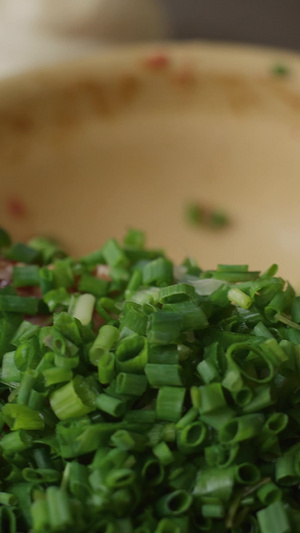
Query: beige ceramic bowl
x=130, y=137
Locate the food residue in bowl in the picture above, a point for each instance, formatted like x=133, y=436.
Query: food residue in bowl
x=202, y=215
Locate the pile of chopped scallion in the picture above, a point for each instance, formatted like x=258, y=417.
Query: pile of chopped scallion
x=138, y=396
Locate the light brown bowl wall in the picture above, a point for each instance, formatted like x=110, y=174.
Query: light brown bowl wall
x=128, y=138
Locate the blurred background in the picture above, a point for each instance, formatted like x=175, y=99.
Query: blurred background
x=39, y=32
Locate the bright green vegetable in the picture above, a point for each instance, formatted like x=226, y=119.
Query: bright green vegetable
x=137, y=404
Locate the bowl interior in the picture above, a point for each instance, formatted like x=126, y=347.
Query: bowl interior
x=130, y=138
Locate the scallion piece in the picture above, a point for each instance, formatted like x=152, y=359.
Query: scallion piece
x=174, y=504
x=285, y=474
x=107, y=337
x=159, y=375
x=17, y=441
x=59, y=508
x=240, y=429
x=19, y=304
x=10, y=372
x=274, y=518
x=22, y=417
x=113, y=254
x=214, y=510
x=5, y=239
x=106, y=368
x=191, y=438
x=269, y=493
x=164, y=327
x=26, y=276
x=83, y=308
x=176, y=293
x=128, y=440
x=27, y=381
x=132, y=355
x=57, y=375
x=163, y=453
x=239, y=298
x=170, y=403
x=22, y=253
x=247, y=474
x=67, y=401
x=131, y=384
x=90, y=284
x=110, y=405
x=158, y=271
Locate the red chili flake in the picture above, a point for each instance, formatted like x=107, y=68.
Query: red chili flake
x=16, y=208
x=157, y=61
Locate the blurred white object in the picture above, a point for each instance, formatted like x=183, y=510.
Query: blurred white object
x=109, y=20
x=38, y=32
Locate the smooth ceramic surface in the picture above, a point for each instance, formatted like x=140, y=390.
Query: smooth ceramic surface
x=130, y=137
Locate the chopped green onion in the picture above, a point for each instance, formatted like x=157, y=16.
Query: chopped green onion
x=159, y=375
x=239, y=298
x=5, y=239
x=164, y=327
x=106, y=368
x=83, y=308
x=22, y=253
x=132, y=355
x=92, y=285
x=19, y=304
x=134, y=239
x=170, y=403
x=27, y=381
x=211, y=398
x=274, y=518
x=269, y=493
x=193, y=317
x=113, y=254
x=8, y=499
x=26, y=276
x=285, y=471
x=174, y=504
x=158, y=271
x=57, y=375
x=59, y=508
x=176, y=293
x=127, y=440
x=107, y=337
x=247, y=474
x=57, y=298
x=22, y=417
x=240, y=429
x=281, y=70
x=67, y=401
x=110, y=405
x=10, y=372
x=212, y=510
x=62, y=274
x=191, y=438
x=131, y=384
x=163, y=453
x=146, y=402
x=16, y=441
x=135, y=320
